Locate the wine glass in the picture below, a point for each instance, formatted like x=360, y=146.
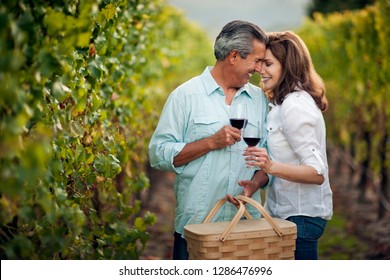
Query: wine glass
x=252, y=136
x=238, y=117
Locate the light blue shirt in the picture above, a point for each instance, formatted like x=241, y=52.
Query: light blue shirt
x=196, y=110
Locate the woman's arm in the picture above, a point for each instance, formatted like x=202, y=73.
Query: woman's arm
x=304, y=174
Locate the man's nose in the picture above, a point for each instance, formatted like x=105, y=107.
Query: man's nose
x=259, y=68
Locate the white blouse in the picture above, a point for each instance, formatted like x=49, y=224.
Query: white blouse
x=297, y=135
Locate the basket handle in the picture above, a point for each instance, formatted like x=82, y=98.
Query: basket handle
x=241, y=211
x=237, y=217
x=218, y=205
x=262, y=210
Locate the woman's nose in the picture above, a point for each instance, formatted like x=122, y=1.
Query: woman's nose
x=261, y=70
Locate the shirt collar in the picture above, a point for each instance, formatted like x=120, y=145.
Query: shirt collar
x=211, y=85
x=208, y=81
x=246, y=89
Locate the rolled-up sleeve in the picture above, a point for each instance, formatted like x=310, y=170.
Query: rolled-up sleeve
x=167, y=139
x=301, y=126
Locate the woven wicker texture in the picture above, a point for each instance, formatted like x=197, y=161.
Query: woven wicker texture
x=246, y=240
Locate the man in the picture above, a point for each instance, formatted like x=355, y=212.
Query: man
x=193, y=137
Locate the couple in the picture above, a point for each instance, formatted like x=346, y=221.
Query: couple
x=193, y=136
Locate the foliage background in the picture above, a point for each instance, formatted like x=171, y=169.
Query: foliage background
x=351, y=52
x=82, y=85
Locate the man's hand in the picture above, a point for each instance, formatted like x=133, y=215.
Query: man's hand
x=259, y=180
x=225, y=137
x=249, y=188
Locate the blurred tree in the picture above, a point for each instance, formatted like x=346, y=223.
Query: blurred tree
x=329, y=6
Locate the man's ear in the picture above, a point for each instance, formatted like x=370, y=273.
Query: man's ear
x=233, y=55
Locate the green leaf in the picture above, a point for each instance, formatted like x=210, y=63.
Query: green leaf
x=49, y=64
x=60, y=91
x=55, y=21
x=77, y=128
x=101, y=45
x=95, y=70
x=109, y=12
x=107, y=166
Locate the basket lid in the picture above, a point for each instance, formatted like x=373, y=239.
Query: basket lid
x=244, y=229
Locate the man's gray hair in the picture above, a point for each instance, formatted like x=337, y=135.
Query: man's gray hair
x=238, y=35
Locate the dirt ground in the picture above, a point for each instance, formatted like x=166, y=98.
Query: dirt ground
x=160, y=200
x=360, y=212
x=362, y=221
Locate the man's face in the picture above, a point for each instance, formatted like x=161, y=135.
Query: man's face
x=246, y=67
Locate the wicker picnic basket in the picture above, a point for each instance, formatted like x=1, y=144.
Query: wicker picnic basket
x=241, y=239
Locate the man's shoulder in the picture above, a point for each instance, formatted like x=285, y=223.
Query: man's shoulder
x=255, y=92
x=189, y=87
x=195, y=85
x=251, y=88
x=192, y=81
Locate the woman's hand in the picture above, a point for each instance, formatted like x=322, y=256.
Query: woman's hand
x=258, y=157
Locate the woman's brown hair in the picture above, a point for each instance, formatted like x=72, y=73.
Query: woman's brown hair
x=298, y=72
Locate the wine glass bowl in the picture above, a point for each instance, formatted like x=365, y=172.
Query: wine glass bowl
x=238, y=117
x=252, y=135
x=237, y=123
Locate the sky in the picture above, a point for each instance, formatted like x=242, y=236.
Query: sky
x=271, y=15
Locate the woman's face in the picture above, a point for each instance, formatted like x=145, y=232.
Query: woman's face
x=271, y=71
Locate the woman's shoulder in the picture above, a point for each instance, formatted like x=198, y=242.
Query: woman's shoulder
x=299, y=103
x=297, y=94
x=298, y=98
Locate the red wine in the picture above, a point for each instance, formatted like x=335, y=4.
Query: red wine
x=238, y=123
x=252, y=141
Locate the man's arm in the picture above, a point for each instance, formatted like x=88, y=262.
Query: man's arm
x=260, y=178
x=226, y=136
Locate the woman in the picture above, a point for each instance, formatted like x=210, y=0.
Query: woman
x=296, y=140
